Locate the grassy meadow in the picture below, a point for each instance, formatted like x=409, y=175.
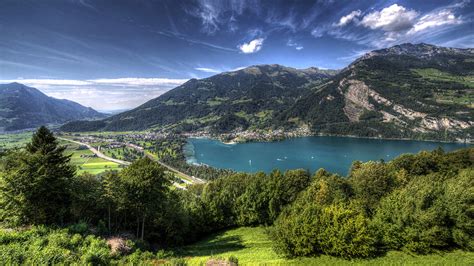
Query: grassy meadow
x=10, y=141
x=252, y=246
x=83, y=159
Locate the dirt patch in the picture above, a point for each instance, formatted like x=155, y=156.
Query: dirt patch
x=118, y=245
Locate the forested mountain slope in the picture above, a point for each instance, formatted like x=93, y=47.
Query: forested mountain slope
x=243, y=98
x=23, y=107
x=403, y=91
x=406, y=91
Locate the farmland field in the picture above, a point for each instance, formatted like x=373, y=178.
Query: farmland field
x=9, y=141
x=85, y=160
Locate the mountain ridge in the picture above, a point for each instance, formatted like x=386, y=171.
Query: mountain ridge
x=216, y=99
x=416, y=91
x=23, y=107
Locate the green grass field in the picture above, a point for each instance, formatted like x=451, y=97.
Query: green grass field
x=450, y=96
x=252, y=246
x=437, y=75
x=9, y=141
x=82, y=158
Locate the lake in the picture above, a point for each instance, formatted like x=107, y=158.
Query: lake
x=334, y=154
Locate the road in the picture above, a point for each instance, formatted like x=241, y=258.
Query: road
x=105, y=157
x=172, y=169
x=97, y=152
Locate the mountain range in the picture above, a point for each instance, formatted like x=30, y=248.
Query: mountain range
x=405, y=91
x=23, y=107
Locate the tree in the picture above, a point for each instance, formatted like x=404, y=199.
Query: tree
x=416, y=216
x=371, y=181
x=35, y=183
x=111, y=194
x=145, y=188
x=86, y=192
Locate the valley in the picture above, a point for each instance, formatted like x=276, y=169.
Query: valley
x=236, y=132
x=221, y=152
x=386, y=93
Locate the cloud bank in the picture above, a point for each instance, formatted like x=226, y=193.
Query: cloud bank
x=104, y=94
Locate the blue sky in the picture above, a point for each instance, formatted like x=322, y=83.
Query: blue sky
x=130, y=51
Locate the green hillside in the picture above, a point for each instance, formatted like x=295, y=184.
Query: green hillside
x=407, y=91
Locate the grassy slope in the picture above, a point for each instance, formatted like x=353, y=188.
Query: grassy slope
x=253, y=247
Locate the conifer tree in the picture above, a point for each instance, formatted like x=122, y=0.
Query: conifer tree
x=34, y=184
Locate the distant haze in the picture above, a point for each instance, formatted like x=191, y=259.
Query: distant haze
x=104, y=94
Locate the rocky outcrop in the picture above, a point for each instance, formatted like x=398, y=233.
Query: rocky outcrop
x=356, y=99
x=357, y=96
x=444, y=123
x=408, y=113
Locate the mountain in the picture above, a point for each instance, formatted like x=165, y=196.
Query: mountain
x=406, y=91
x=23, y=107
x=240, y=99
x=416, y=91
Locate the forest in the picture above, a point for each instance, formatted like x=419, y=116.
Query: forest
x=417, y=203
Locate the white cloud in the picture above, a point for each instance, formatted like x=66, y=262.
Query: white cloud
x=208, y=70
x=252, y=46
x=318, y=32
x=219, y=15
x=238, y=68
x=435, y=19
x=49, y=82
x=343, y=21
x=138, y=81
x=392, y=18
x=104, y=94
x=292, y=43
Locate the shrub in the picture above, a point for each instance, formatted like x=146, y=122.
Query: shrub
x=415, y=217
x=311, y=229
x=345, y=233
x=460, y=205
x=233, y=260
x=79, y=228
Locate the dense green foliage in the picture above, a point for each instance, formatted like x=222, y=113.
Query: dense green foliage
x=224, y=102
x=74, y=245
x=34, y=183
x=419, y=203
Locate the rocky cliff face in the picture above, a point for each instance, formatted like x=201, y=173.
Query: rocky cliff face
x=403, y=91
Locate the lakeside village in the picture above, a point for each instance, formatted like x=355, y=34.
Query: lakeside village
x=137, y=139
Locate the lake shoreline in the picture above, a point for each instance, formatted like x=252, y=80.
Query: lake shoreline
x=333, y=153
x=224, y=138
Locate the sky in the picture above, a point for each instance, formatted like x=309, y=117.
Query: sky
x=115, y=54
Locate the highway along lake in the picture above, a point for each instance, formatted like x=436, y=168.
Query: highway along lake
x=334, y=154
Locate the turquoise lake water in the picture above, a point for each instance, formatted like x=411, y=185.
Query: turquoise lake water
x=335, y=154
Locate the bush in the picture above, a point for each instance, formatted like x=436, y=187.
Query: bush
x=334, y=230
x=345, y=233
x=79, y=228
x=415, y=217
x=371, y=181
x=460, y=205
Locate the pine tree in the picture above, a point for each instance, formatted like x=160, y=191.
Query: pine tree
x=35, y=183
